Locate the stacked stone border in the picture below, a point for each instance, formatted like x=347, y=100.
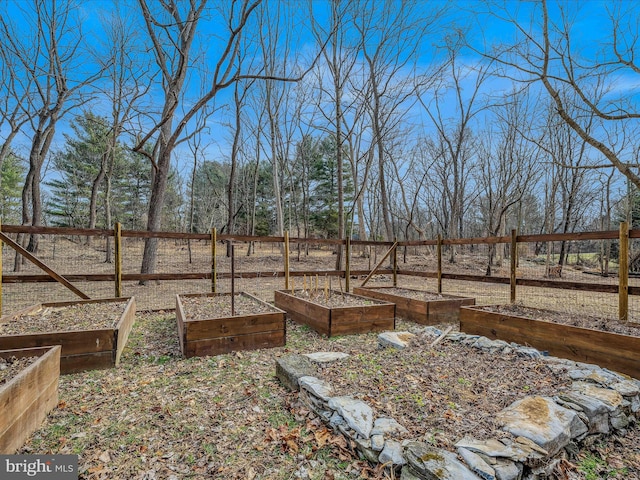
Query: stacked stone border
x=544, y=430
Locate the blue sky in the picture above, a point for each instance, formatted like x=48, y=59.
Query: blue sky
x=588, y=35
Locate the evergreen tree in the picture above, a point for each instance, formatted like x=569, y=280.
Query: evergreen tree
x=11, y=181
x=324, y=188
x=77, y=166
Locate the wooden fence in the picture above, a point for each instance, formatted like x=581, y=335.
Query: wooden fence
x=511, y=244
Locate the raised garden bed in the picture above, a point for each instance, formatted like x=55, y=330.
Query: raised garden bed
x=92, y=333
x=419, y=306
x=339, y=314
x=206, y=325
x=575, y=338
x=28, y=395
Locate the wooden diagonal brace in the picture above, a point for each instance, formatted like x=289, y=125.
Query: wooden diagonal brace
x=393, y=247
x=49, y=271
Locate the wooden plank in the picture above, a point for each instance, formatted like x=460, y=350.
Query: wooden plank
x=214, y=260
x=26, y=386
x=123, y=328
x=180, y=319
x=36, y=261
x=623, y=273
x=609, y=350
x=68, y=231
x=362, y=319
x=512, y=266
x=315, y=316
x=87, y=361
x=439, y=263
x=73, y=342
x=447, y=310
x=557, y=237
x=476, y=278
x=217, y=346
x=231, y=326
x=117, y=242
x=562, y=285
x=1, y=268
x=30, y=419
x=393, y=247
x=26, y=399
x=286, y=260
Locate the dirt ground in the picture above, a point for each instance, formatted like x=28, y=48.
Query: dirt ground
x=161, y=416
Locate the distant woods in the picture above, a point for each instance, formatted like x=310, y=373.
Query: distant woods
x=369, y=119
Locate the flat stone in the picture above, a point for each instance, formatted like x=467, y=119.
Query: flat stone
x=494, y=448
x=431, y=463
x=407, y=474
x=477, y=464
x=626, y=388
x=377, y=442
x=507, y=469
x=391, y=454
x=326, y=357
x=290, y=368
x=593, y=375
x=316, y=386
x=399, y=340
x=388, y=427
x=493, y=346
x=596, y=411
x=543, y=421
x=357, y=414
x=364, y=447
x=611, y=398
x=431, y=331
x=528, y=352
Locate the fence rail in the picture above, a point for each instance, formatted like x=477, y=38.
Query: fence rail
x=124, y=266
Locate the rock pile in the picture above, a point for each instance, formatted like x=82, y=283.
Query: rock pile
x=543, y=430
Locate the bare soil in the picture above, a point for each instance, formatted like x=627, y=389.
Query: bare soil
x=334, y=299
x=417, y=294
x=159, y=415
x=12, y=366
x=86, y=316
x=583, y=321
x=442, y=393
x=204, y=308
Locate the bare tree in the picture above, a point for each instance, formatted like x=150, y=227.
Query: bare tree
x=509, y=165
x=48, y=59
x=453, y=145
x=580, y=82
x=391, y=36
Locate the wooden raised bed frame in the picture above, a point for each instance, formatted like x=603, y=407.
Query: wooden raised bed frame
x=378, y=316
x=425, y=312
x=610, y=350
x=216, y=336
x=26, y=398
x=81, y=349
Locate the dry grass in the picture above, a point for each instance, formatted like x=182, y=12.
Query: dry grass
x=227, y=416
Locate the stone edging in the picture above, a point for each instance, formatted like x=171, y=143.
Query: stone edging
x=544, y=429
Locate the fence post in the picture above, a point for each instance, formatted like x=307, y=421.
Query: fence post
x=347, y=265
x=1, y=246
x=514, y=264
x=395, y=264
x=214, y=235
x=439, y=260
x=117, y=248
x=623, y=273
x=286, y=260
